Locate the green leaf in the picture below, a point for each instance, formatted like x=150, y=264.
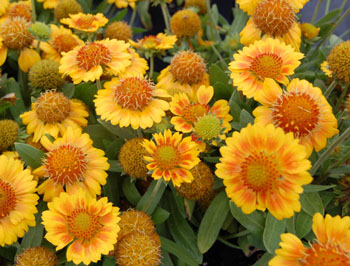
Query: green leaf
x=114, y=166
x=86, y=92
x=166, y=260
x=303, y=224
x=122, y=132
x=149, y=201
x=240, y=20
x=178, y=251
x=311, y=203
x=18, y=108
x=328, y=18
x=291, y=225
x=254, y=222
x=111, y=188
x=272, y=233
x=32, y=156
x=264, y=260
x=138, y=30
x=212, y=222
x=212, y=159
x=235, y=109
x=160, y=215
x=119, y=16
x=222, y=91
x=245, y=118
x=216, y=74
x=108, y=261
x=142, y=10
x=8, y=253
x=68, y=89
x=113, y=148
x=316, y=188
x=130, y=191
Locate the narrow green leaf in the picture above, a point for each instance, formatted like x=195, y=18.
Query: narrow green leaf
x=316, y=188
x=166, y=260
x=303, y=224
x=114, y=166
x=272, y=233
x=19, y=107
x=235, y=109
x=264, y=260
x=327, y=18
x=290, y=225
x=130, y=191
x=222, y=90
x=122, y=132
x=142, y=10
x=68, y=89
x=311, y=203
x=245, y=118
x=111, y=188
x=8, y=253
x=160, y=215
x=86, y=92
x=108, y=261
x=212, y=222
x=32, y=156
x=147, y=201
x=120, y=15
x=138, y=30
x=216, y=74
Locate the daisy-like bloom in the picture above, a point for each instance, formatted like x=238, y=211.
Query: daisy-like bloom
x=17, y=200
x=85, y=22
x=123, y=3
x=339, y=62
x=309, y=31
x=153, y=43
x=325, y=68
x=61, y=40
x=52, y=113
x=19, y=9
x=330, y=248
x=3, y=6
x=301, y=109
x=268, y=58
x=71, y=163
x=171, y=157
x=49, y=4
x=131, y=101
x=89, y=226
x=273, y=18
x=264, y=168
x=186, y=73
x=88, y=62
x=138, y=66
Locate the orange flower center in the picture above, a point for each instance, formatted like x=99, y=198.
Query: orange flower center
x=133, y=93
x=167, y=157
x=66, y=164
x=296, y=112
x=83, y=225
x=326, y=255
x=15, y=33
x=52, y=107
x=7, y=198
x=266, y=65
x=150, y=42
x=85, y=22
x=259, y=171
x=274, y=17
x=64, y=43
x=20, y=10
x=92, y=55
x=192, y=112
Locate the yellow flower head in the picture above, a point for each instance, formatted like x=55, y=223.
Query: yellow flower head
x=17, y=201
x=123, y=3
x=138, y=66
x=3, y=6
x=268, y=58
x=330, y=248
x=301, y=109
x=131, y=101
x=309, y=31
x=49, y=4
x=158, y=43
x=19, y=9
x=44, y=74
x=197, y=3
x=36, y=256
x=89, y=226
x=15, y=34
x=119, y=30
x=273, y=18
x=185, y=23
x=52, y=113
x=325, y=69
x=72, y=163
x=171, y=157
x=85, y=22
x=339, y=62
x=66, y=7
x=8, y=133
x=264, y=168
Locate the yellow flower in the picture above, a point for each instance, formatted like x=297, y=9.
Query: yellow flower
x=123, y=3
x=3, y=6
x=49, y=4
x=17, y=200
x=88, y=226
x=66, y=7
x=301, y=109
x=71, y=163
x=273, y=18
x=339, y=62
x=325, y=69
x=171, y=157
x=158, y=43
x=309, y=31
x=52, y=113
x=330, y=248
x=200, y=4
x=137, y=68
x=185, y=23
x=61, y=40
x=268, y=58
x=36, y=256
x=88, y=62
x=119, y=30
x=132, y=101
x=19, y=9
x=85, y=22
x=264, y=168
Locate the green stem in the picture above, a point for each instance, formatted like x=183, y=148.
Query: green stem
x=212, y=22
x=242, y=233
x=98, y=83
x=327, y=7
x=24, y=87
x=330, y=89
x=139, y=132
x=328, y=152
x=316, y=11
x=340, y=118
x=154, y=192
x=38, y=47
x=133, y=16
x=219, y=56
x=151, y=66
x=166, y=15
x=33, y=11
x=341, y=98
x=228, y=244
x=342, y=6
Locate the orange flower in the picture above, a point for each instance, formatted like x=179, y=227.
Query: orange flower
x=85, y=22
x=158, y=43
x=264, y=168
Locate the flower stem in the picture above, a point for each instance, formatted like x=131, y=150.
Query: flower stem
x=316, y=11
x=133, y=16
x=38, y=47
x=327, y=7
x=212, y=22
x=330, y=89
x=219, y=56
x=166, y=15
x=33, y=11
x=98, y=83
x=151, y=66
x=154, y=192
x=341, y=98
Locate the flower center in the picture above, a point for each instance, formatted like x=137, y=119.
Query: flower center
x=326, y=255
x=92, y=55
x=259, y=171
x=266, y=65
x=274, y=17
x=192, y=112
x=83, y=225
x=52, y=107
x=295, y=112
x=15, y=33
x=167, y=157
x=64, y=43
x=133, y=93
x=66, y=164
x=20, y=10
x=150, y=42
x=208, y=127
x=7, y=198
x=85, y=21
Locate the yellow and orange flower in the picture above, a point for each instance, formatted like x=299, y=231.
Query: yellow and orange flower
x=3, y=6
x=52, y=113
x=89, y=226
x=330, y=248
x=301, y=109
x=158, y=43
x=264, y=168
x=88, y=62
x=61, y=40
x=132, y=101
x=272, y=18
x=18, y=9
x=171, y=157
x=85, y=22
x=268, y=58
x=325, y=68
x=49, y=4
x=123, y=3
x=137, y=68
x=17, y=201
x=72, y=163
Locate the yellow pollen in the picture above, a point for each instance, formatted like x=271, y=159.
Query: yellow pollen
x=133, y=93
x=274, y=17
x=83, y=225
x=64, y=43
x=326, y=255
x=295, y=112
x=192, y=112
x=15, y=33
x=52, y=107
x=66, y=164
x=266, y=66
x=7, y=198
x=208, y=127
x=86, y=21
x=92, y=55
x=166, y=157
